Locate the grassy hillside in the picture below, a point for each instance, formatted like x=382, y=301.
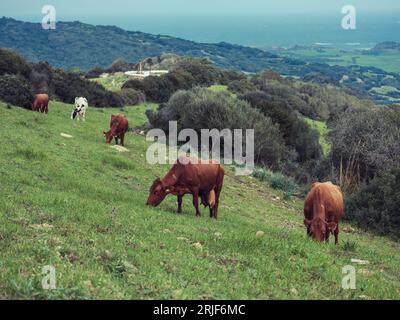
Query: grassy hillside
x=78, y=204
x=388, y=61
x=113, y=82
x=323, y=131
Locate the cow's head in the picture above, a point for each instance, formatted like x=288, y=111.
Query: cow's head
x=316, y=228
x=157, y=193
x=108, y=135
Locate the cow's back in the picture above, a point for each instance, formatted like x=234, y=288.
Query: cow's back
x=42, y=98
x=328, y=195
x=119, y=123
x=204, y=173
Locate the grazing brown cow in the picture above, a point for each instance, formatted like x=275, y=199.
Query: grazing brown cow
x=323, y=209
x=200, y=178
x=41, y=103
x=118, y=128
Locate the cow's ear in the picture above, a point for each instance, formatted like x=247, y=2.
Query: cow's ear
x=314, y=184
x=307, y=223
x=76, y=99
x=332, y=226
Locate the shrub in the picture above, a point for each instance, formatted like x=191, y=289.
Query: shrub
x=286, y=184
x=376, y=205
x=262, y=174
x=16, y=90
x=94, y=73
x=67, y=85
x=365, y=143
x=12, y=63
x=120, y=65
x=295, y=130
x=201, y=108
x=132, y=97
x=241, y=86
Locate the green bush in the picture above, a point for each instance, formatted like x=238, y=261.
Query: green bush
x=262, y=174
x=281, y=182
x=200, y=108
x=132, y=97
x=12, y=63
x=367, y=142
x=376, y=205
x=241, y=86
x=296, y=132
x=15, y=90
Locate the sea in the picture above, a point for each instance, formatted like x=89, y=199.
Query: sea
x=262, y=31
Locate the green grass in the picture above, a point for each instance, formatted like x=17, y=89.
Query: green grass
x=218, y=87
x=323, y=131
x=388, y=61
x=78, y=205
x=113, y=82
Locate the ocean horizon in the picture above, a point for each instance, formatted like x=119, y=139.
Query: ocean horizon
x=261, y=31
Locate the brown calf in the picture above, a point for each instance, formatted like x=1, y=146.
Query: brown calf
x=41, y=103
x=118, y=127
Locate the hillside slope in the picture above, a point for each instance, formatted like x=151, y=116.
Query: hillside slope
x=78, y=204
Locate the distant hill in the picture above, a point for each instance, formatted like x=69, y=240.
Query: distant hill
x=387, y=46
x=79, y=45
x=76, y=44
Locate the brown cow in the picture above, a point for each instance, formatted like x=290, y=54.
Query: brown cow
x=323, y=209
x=118, y=128
x=200, y=178
x=41, y=103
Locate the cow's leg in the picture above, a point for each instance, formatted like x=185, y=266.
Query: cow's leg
x=336, y=234
x=180, y=204
x=84, y=116
x=327, y=234
x=123, y=140
x=211, y=212
x=215, y=209
x=196, y=202
x=116, y=140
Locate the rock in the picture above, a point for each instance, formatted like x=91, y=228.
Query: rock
x=197, y=245
x=260, y=234
x=43, y=226
x=120, y=148
x=365, y=272
x=358, y=261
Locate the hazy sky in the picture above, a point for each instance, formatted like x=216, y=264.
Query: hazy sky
x=79, y=9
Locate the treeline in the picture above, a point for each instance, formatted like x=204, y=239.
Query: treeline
x=20, y=80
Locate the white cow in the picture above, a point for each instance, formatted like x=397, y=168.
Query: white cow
x=81, y=106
